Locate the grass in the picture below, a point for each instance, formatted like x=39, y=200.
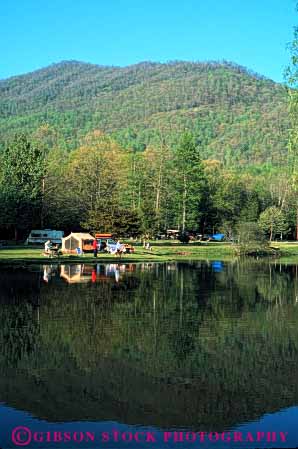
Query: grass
x=287, y=248
x=162, y=251
x=288, y=251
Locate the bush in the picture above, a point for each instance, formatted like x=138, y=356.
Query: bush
x=183, y=237
x=252, y=240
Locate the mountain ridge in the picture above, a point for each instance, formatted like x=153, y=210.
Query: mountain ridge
x=235, y=111
x=74, y=62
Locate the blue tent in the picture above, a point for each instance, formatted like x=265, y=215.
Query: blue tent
x=218, y=237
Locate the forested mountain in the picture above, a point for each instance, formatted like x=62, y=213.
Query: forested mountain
x=239, y=117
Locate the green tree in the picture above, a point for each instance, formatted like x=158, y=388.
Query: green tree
x=291, y=76
x=59, y=209
x=273, y=221
x=158, y=186
x=119, y=221
x=97, y=179
x=229, y=199
x=22, y=166
x=189, y=181
x=251, y=238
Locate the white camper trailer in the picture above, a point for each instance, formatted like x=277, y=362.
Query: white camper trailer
x=39, y=237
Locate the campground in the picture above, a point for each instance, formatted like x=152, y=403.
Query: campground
x=161, y=251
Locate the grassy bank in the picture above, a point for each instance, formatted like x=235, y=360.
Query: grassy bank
x=288, y=251
x=161, y=251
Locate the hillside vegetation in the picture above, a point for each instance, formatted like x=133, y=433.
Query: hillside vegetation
x=138, y=150
x=240, y=118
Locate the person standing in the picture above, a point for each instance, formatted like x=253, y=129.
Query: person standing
x=94, y=245
x=47, y=246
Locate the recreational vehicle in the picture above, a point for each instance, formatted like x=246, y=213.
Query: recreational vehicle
x=39, y=237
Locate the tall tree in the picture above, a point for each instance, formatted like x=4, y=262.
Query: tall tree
x=46, y=138
x=291, y=76
x=22, y=165
x=59, y=211
x=189, y=180
x=158, y=180
x=97, y=175
x=273, y=221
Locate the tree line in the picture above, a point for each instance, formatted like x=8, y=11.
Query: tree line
x=103, y=186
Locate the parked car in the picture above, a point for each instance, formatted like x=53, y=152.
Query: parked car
x=160, y=236
x=105, y=242
x=172, y=234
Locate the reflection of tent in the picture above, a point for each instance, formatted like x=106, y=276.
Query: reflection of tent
x=77, y=240
x=80, y=273
x=74, y=274
x=71, y=273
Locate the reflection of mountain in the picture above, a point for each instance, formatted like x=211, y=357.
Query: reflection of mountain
x=188, y=347
x=119, y=392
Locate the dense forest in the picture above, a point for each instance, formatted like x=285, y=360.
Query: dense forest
x=240, y=117
x=202, y=147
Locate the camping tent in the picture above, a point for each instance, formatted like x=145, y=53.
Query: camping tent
x=76, y=240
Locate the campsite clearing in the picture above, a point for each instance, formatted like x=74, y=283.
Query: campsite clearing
x=161, y=251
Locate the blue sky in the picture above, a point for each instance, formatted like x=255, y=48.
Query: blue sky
x=253, y=33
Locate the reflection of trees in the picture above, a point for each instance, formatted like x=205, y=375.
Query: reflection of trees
x=19, y=299
x=18, y=334
x=19, y=285
x=175, y=339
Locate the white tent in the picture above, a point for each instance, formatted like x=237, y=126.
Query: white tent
x=81, y=240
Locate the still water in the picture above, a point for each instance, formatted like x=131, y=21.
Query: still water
x=174, y=355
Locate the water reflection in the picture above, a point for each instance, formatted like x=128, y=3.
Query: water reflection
x=84, y=273
x=204, y=346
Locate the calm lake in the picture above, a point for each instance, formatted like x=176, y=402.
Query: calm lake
x=173, y=355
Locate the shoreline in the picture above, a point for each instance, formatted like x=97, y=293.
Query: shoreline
x=161, y=252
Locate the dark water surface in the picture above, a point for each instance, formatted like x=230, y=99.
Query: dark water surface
x=156, y=352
